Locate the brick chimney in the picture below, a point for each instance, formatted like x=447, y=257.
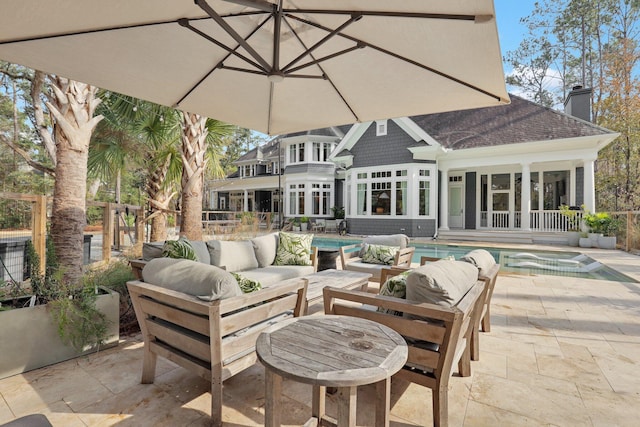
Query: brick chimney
x=578, y=103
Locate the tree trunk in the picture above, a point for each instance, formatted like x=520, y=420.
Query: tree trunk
x=72, y=107
x=193, y=150
x=159, y=199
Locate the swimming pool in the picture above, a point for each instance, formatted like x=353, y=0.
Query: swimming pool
x=512, y=260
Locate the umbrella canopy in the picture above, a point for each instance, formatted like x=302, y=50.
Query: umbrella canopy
x=272, y=66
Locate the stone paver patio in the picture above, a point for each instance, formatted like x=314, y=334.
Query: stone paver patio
x=562, y=352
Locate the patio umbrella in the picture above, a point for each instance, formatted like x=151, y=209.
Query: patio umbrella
x=272, y=66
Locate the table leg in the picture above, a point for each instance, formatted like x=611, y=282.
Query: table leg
x=318, y=407
x=273, y=391
x=383, y=402
x=347, y=397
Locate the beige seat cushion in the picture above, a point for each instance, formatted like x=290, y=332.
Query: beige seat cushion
x=233, y=255
x=481, y=258
x=274, y=274
x=442, y=282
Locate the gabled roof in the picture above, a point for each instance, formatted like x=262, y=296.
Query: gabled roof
x=265, y=151
x=338, y=131
x=518, y=122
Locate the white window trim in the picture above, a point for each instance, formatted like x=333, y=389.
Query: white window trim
x=381, y=127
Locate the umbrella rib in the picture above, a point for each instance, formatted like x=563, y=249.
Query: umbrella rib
x=325, y=39
x=450, y=16
x=324, y=58
x=402, y=58
x=233, y=33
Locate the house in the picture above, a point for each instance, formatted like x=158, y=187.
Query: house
x=454, y=174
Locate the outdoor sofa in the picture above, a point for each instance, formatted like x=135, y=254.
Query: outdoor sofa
x=204, y=318
x=253, y=259
x=376, y=253
x=435, y=310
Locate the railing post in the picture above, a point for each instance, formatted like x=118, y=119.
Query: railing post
x=107, y=231
x=140, y=226
x=39, y=221
x=629, y=227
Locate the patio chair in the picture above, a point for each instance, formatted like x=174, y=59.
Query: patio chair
x=352, y=256
x=318, y=224
x=331, y=225
x=438, y=336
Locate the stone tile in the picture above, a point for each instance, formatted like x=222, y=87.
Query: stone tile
x=585, y=372
x=479, y=414
x=621, y=373
x=543, y=405
x=606, y=408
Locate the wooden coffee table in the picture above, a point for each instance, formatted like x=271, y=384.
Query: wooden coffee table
x=335, y=278
x=330, y=351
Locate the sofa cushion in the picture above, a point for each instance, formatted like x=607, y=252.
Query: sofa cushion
x=233, y=255
x=180, y=248
x=274, y=274
x=363, y=267
x=152, y=250
x=442, y=282
x=401, y=240
x=265, y=248
x=206, y=282
x=201, y=250
x=294, y=249
x=379, y=254
x=481, y=258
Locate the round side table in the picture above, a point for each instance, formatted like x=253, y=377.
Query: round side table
x=330, y=351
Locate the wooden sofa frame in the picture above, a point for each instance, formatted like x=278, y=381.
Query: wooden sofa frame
x=402, y=258
x=215, y=340
x=448, y=329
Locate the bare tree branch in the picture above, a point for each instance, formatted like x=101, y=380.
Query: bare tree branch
x=27, y=157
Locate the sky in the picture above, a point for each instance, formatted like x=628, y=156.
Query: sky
x=510, y=30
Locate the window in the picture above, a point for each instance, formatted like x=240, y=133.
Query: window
x=381, y=127
x=317, y=152
x=296, y=153
x=320, y=196
x=401, y=198
x=300, y=199
x=361, y=208
x=424, y=197
x=381, y=198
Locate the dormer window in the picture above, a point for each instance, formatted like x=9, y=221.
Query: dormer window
x=381, y=127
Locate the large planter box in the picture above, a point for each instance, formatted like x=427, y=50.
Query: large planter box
x=30, y=339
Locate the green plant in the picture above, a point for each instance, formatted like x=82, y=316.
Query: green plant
x=573, y=222
x=304, y=219
x=73, y=308
x=338, y=212
x=601, y=223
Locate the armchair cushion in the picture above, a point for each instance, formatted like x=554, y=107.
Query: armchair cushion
x=232, y=255
x=206, y=282
x=401, y=240
x=294, y=249
x=442, y=282
x=379, y=254
x=265, y=248
x=481, y=258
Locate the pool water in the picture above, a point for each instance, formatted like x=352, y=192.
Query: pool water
x=519, y=261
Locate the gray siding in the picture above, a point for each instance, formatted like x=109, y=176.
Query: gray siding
x=410, y=227
x=315, y=168
x=339, y=192
x=579, y=186
x=372, y=150
x=470, y=201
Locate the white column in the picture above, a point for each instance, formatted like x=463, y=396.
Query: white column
x=444, y=199
x=589, y=186
x=572, y=186
x=245, y=206
x=525, y=198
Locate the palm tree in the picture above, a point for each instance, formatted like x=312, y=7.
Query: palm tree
x=201, y=136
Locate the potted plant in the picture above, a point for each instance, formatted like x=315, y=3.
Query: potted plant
x=296, y=224
x=592, y=222
x=47, y=321
x=609, y=227
x=573, y=224
x=304, y=223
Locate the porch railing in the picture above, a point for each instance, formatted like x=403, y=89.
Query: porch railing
x=548, y=220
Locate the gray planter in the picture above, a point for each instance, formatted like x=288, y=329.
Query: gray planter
x=30, y=336
x=607, y=242
x=584, y=242
x=573, y=238
x=594, y=237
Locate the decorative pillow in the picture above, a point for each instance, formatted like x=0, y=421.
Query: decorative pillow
x=395, y=286
x=481, y=258
x=265, y=248
x=152, y=250
x=442, y=282
x=206, y=282
x=401, y=240
x=247, y=285
x=180, y=248
x=233, y=255
x=294, y=249
x=379, y=254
